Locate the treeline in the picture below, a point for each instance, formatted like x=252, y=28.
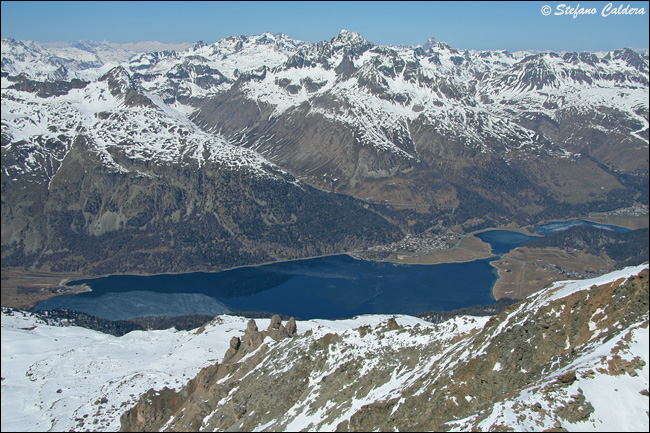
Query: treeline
x=262, y=315
x=223, y=219
x=118, y=328
x=181, y=323
x=633, y=250
x=477, y=211
x=474, y=310
x=63, y=317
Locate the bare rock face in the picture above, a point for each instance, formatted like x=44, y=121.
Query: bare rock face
x=391, y=325
x=252, y=337
x=276, y=330
x=291, y=327
x=154, y=408
x=235, y=343
x=276, y=323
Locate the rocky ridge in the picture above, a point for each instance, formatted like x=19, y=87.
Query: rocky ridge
x=544, y=363
x=241, y=357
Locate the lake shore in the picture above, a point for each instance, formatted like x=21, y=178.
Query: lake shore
x=468, y=249
x=519, y=273
x=524, y=271
x=24, y=289
x=631, y=222
x=328, y=288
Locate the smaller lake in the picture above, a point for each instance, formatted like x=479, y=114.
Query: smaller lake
x=503, y=241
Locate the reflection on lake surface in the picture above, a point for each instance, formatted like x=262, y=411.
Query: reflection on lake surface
x=556, y=226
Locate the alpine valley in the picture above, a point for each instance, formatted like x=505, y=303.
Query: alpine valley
x=257, y=149
x=150, y=159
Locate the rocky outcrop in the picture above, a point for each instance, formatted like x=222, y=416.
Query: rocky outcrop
x=533, y=366
x=155, y=409
x=45, y=89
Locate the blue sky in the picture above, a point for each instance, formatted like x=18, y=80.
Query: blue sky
x=467, y=25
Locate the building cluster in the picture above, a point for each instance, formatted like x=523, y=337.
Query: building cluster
x=636, y=210
x=421, y=243
x=573, y=274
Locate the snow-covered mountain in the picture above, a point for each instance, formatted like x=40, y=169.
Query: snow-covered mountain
x=468, y=138
x=574, y=356
x=380, y=93
x=55, y=61
x=142, y=168
x=254, y=149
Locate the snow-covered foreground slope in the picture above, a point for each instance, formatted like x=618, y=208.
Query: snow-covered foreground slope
x=602, y=386
x=56, y=378
x=575, y=355
x=71, y=378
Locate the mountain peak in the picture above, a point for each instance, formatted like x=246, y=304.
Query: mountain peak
x=279, y=41
x=430, y=43
x=352, y=40
x=265, y=38
x=117, y=73
x=348, y=35
x=119, y=81
x=632, y=58
x=198, y=45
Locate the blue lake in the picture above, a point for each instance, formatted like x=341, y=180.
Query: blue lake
x=503, y=241
x=328, y=287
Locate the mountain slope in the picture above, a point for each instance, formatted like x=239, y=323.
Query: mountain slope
x=370, y=120
x=573, y=356
x=107, y=179
x=98, y=375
